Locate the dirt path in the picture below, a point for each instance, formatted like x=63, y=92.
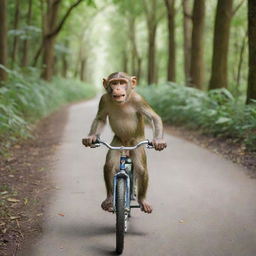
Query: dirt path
x=25, y=186
x=203, y=204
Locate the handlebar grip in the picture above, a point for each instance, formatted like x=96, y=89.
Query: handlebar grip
x=97, y=141
x=150, y=143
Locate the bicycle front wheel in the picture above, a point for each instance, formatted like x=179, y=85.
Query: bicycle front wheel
x=120, y=214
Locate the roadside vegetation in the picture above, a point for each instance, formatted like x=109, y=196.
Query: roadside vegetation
x=26, y=99
x=215, y=113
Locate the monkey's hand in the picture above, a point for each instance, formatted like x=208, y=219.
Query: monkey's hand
x=88, y=141
x=159, y=144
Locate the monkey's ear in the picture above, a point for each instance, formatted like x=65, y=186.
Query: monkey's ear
x=133, y=81
x=105, y=83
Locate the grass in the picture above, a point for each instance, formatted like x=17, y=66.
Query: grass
x=26, y=98
x=215, y=113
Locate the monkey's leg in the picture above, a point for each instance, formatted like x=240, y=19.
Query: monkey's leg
x=139, y=159
x=110, y=168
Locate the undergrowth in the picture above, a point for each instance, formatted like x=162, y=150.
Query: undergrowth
x=26, y=98
x=214, y=113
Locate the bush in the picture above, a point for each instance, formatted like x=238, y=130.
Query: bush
x=215, y=112
x=26, y=98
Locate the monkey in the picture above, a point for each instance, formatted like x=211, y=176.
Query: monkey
x=125, y=110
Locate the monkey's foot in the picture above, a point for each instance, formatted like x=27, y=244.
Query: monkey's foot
x=107, y=204
x=145, y=206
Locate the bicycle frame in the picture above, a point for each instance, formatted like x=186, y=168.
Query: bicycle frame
x=122, y=174
x=122, y=171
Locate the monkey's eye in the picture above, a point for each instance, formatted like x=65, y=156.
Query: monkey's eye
x=122, y=82
x=114, y=83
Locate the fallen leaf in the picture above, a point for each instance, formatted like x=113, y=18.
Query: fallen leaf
x=181, y=221
x=4, y=230
x=4, y=193
x=13, y=200
x=61, y=214
x=14, y=217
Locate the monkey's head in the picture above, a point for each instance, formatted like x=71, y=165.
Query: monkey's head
x=119, y=85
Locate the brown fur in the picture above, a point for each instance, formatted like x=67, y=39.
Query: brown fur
x=126, y=111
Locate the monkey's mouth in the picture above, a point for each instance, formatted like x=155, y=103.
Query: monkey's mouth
x=119, y=97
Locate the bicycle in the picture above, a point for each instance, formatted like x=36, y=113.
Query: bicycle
x=124, y=190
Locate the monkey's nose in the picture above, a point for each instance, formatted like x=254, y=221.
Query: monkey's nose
x=117, y=89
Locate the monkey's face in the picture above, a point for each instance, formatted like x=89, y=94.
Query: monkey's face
x=118, y=89
x=119, y=86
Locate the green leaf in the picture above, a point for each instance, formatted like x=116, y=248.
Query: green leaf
x=223, y=120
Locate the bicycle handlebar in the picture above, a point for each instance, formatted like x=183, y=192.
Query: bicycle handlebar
x=144, y=142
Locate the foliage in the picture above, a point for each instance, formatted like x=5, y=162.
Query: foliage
x=215, y=113
x=26, y=98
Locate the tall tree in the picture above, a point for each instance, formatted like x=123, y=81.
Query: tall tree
x=171, y=70
x=251, y=91
x=16, y=26
x=49, y=38
x=219, y=75
x=24, y=61
x=52, y=29
x=197, y=47
x=3, y=39
x=187, y=29
x=151, y=16
x=136, y=58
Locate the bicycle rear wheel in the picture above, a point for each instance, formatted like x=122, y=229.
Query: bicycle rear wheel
x=120, y=214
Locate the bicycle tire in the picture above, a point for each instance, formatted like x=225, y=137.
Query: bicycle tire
x=120, y=214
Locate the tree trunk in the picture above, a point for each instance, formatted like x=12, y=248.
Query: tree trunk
x=197, y=47
x=3, y=39
x=64, y=66
x=49, y=41
x=125, y=62
x=16, y=26
x=55, y=66
x=134, y=51
x=83, y=70
x=219, y=75
x=187, y=29
x=138, y=74
x=78, y=59
x=136, y=59
x=251, y=91
x=131, y=21
x=151, y=55
x=24, y=61
x=43, y=19
x=171, y=70
x=150, y=9
x=51, y=32
x=240, y=63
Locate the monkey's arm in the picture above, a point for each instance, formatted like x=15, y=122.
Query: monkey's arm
x=156, y=122
x=97, y=124
x=154, y=118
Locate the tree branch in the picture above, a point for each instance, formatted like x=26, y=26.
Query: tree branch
x=238, y=7
x=59, y=27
